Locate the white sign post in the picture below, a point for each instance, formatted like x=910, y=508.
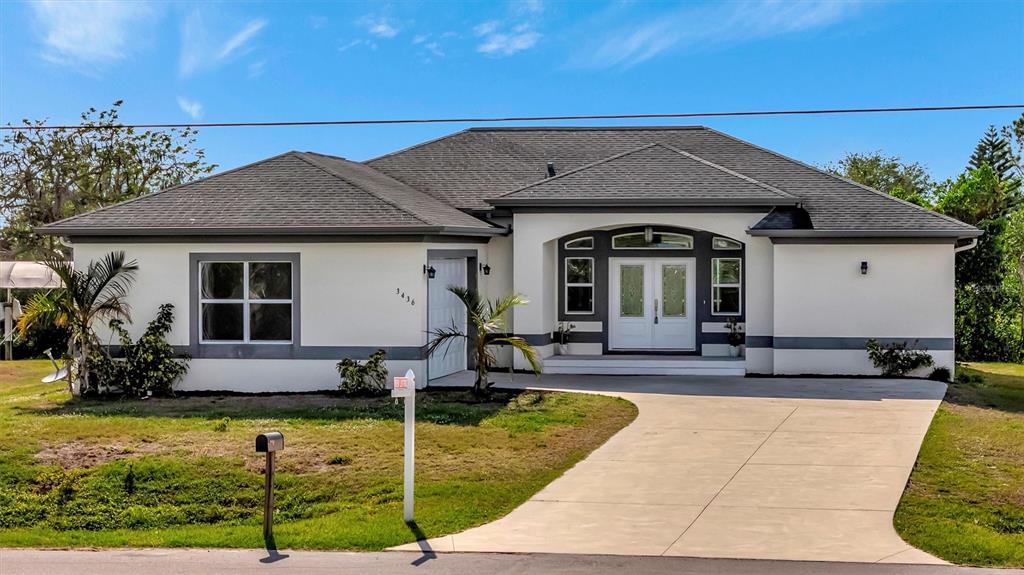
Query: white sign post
x=405, y=387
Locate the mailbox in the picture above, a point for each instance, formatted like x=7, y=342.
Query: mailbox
x=269, y=442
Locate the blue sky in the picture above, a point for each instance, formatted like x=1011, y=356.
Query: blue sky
x=175, y=62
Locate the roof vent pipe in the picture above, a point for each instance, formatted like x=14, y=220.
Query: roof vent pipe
x=551, y=169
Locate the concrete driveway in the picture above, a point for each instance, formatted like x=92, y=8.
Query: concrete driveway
x=797, y=469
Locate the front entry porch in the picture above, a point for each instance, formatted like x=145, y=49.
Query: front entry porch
x=640, y=364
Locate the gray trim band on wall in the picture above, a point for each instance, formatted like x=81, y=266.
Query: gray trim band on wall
x=857, y=343
x=329, y=352
x=759, y=341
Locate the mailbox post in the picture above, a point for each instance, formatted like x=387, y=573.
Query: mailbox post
x=269, y=443
x=405, y=387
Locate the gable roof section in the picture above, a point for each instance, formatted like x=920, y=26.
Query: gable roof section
x=293, y=193
x=468, y=168
x=654, y=174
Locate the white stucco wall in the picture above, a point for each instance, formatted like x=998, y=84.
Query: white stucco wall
x=821, y=293
x=347, y=298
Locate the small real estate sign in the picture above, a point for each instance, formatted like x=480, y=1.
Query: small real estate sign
x=405, y=387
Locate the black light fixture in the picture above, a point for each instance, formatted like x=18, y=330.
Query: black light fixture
x=430, y=271
x=486, y=269
x=863, y=268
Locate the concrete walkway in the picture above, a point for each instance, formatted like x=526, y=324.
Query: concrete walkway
x=789, y=469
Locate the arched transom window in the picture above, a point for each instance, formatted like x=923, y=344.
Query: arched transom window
x=650, y=239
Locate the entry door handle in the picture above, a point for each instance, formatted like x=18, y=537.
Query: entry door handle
x=655, y=310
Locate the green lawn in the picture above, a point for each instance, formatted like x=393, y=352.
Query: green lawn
x=965, y=500
x=182, y=472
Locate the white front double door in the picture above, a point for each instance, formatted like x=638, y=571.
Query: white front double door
x=650, y=303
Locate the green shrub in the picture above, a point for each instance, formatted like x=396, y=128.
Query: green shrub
x=897, y=359
x=339, y=459
x=368, y=378
x=940, y=374
x=970, y=379
x=222, y=425
x=148, y=366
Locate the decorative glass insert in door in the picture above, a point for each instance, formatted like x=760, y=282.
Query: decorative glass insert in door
x=673, y=290
x=631, y=291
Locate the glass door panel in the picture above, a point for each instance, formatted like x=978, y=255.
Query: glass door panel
x=673, y=290
x=631, y=291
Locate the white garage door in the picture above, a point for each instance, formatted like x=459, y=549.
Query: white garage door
x=443, y=309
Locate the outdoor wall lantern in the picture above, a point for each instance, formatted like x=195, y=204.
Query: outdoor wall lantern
x=863, y=268
x=486, y=269
x=430, y=271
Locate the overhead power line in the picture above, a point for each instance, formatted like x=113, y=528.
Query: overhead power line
x=499, y=119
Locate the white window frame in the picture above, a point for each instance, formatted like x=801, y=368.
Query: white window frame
x=615, y=237
x=738, y=284
x=245, y=301
x=739, y=245
x=565, y=289
x=591, y=238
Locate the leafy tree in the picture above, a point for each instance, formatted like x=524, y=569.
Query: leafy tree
x=49, y=175
x=888, y=174
x=97, y=292
x=980, y=198
x=995, y=149
x=1014, y=257
x=486, y=324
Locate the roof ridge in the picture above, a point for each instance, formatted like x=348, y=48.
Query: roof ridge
x=733, y=173
x=172, y=188
x=580, y=169
x=579, y=128
x=415, y=146
x=388, y=201
x=842, y=179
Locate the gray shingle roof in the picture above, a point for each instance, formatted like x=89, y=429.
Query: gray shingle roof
x=295, y=192
x=653, y=174
x=468, y=168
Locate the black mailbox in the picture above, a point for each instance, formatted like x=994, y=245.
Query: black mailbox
x=269, y=442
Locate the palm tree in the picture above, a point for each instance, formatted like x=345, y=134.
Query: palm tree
x=96, y=293
x=485, y=320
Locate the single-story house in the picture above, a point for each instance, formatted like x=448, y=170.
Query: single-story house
x=648, y=240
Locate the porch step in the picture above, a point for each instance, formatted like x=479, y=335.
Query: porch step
x=644, y=365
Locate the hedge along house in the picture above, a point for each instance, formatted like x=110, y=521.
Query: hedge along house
x=647, y=240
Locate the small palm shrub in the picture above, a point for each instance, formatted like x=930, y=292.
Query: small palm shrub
x=485, y=329
x=940, y=374
x=368, y=378
x=897, y=359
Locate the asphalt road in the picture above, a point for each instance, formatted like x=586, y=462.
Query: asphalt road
x=203, y=562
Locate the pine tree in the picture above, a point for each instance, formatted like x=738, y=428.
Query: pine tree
x=995, y=150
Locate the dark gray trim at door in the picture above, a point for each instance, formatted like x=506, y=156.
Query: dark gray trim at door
x=196, y=349
x=602, y=251
x=472, y=282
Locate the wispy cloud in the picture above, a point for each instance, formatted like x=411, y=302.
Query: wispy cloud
x=498, y=43
x=241, y=38
x=527, y=6
x=356, y=43
x=90, y=33
x=200, y=50
x=379, y=26
x=191, y=107
x=257, y=68
x=720, y=24
x=485, y=28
